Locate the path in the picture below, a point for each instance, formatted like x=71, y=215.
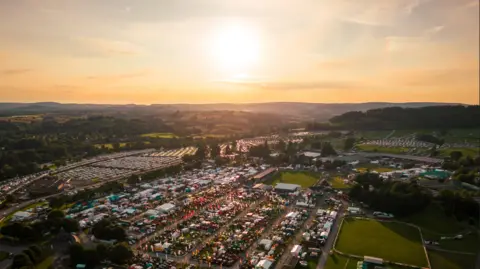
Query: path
x=332, y=237
x=390, y=134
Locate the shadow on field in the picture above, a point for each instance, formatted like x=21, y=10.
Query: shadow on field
x=408, y=232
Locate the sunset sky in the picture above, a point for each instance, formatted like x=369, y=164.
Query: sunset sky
x=210, y=51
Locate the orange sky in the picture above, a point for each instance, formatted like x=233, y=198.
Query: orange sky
x=184, y=51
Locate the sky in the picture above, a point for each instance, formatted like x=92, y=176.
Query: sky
x=217, y=51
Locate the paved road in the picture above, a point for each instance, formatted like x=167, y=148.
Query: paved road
x=331, y=238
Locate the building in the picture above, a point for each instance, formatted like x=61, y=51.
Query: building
x=264, y=264
x=287, y=188
x=21, y=216
x=264, y=174
x=166, y=208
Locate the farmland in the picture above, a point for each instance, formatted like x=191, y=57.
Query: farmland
x=160, y=135
x=387, y=240
x=303, y=179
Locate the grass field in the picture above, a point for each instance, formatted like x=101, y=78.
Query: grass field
x=472, y=152
x=3, y=255
x=301, y=178
x=373, y=134
x=109, y=145
x=337, y=183
x=444, y=260
x=470, y=243
x=433, y=219
x=336, y=261
x=375, y=148
x=45, y=264
x=387, y=240
x=160, y=135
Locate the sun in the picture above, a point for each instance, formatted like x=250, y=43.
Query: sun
x=235, y=48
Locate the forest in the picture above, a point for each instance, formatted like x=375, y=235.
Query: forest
x=397, y=118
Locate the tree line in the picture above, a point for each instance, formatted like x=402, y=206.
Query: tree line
x=407, y=198
x=391, y=118
x=36, y=231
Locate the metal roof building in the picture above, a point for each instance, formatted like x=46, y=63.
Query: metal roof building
x=287, y=187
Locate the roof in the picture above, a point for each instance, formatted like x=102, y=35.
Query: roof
x=287, y=186
x=166, y=207
x=311, y=154
x=265, y=264
x=22, y=214
x=265, y=173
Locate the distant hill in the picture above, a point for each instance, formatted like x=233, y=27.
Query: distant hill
x=316, y=111
x=433, y=117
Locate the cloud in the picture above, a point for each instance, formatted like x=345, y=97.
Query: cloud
x=446, y=77
x=120, y=76
x=107, y=46
x=434, y=30
x=11, y=72
x=340, y=85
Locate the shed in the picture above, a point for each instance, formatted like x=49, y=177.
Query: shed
x=373, y=260
x=286, y=187
x=264, y=264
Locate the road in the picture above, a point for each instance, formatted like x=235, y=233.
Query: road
x=331, y=238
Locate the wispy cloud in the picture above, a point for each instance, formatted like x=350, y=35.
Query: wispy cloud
x=293, y=85
x=110, y=46
x=11, y=72
x=434, y=30
x=120, y=76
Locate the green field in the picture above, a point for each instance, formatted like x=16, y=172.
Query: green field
x=160, y=135
x=336, y=261
x=301, y=178
x=372, y=134
x=472, y=152
x=375, y=148
x=109, y=145
x=470, y=243
x=337, y=183
x=444, y=260
x=45, y=264
x=387, y=240
x=433, y=219
x=3, y=255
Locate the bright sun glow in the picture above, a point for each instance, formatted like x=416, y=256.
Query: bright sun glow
x=236, y=48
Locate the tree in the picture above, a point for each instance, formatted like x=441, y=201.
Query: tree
x=9, y=198
x=349, y=143
x=201, y=152
x=456, y=155
x=71, y=225
x=281, y=145
x=56, y=215
x=327, y=150
x=77, y=254
x=102, y=251
x=21, y=260
x=214, y=151
x=120, y=253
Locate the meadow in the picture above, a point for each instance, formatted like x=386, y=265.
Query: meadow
x=301, y=178
x=391, y=241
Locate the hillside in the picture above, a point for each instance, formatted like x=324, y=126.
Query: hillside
x=306, y=111
x=438, y=117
